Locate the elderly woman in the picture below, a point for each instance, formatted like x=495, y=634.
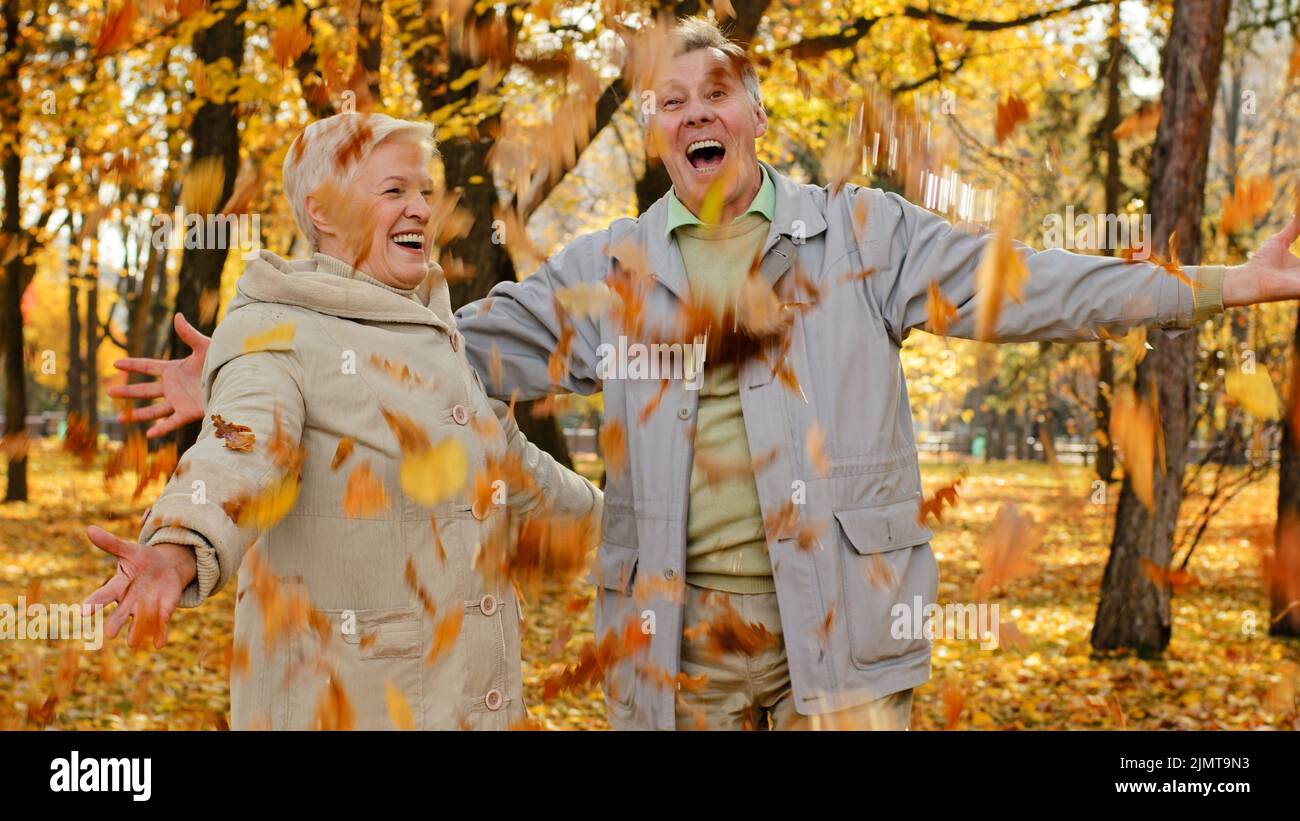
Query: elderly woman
x=350, y=444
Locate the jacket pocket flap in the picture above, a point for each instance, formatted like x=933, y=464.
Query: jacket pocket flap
x=881, y=529
x=615, y=567
x=384, y=633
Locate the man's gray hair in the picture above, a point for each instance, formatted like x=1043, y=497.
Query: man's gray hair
x=695, y=33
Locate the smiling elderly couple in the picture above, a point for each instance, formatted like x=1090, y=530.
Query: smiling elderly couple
x=816, y=581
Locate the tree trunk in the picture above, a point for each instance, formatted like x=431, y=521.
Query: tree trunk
x=76, y=403
x=998, y=440
x=370, y=45
x=92, y=350
x=214, y=133
x=1105, y=357
x=1284, y=581
x=15, y=369
x=1134, y=610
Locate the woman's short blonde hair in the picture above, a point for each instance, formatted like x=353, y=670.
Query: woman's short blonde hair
x=332, y=149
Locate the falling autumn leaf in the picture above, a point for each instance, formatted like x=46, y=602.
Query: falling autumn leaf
x=399, y=709
x=275, y=338
x=939, y=311
x=364, y=493
x=816, y=443
x=1140, y=122
x=445, y=634
x=1133, y=430
x=289, y=36
x=1001, y=276
x=1006, y=552
x=202, y=186
x=613, y=445
x=342, y=452
x=1255, y=393
x=116, y=28
x=235, y=437
x=1251, y=199
x=265, y=509
x=435, y=474
x=1011, y=112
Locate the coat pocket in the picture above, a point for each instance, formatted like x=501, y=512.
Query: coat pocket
x=391, y=633
x=887, y=571
x=614, y=576
x=375, y=649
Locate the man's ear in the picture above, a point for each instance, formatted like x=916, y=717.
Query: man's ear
x=760, y=120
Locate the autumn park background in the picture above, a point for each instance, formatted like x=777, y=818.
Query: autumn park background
x=1128, y=505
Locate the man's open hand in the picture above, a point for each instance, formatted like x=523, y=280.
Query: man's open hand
x=1272, y=274
x=147, y=586
x=179, y=382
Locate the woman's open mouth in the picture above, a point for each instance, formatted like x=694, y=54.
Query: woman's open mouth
x=411, y=242
x=705, y=156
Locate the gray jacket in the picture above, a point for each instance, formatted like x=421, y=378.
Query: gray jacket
x=845, y=354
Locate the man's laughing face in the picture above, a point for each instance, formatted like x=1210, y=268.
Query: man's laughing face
x=704, y=128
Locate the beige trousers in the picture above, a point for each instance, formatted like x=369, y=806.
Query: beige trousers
x=731, y=689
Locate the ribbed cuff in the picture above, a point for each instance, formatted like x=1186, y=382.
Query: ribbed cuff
x=1208, y=293
x=205, y=560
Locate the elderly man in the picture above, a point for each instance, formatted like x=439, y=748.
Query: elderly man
x=763, y=527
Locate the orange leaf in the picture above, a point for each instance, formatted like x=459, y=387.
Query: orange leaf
x=1005, y=553
x=116, y=28
x=445, y=635
x=342, y=452
x=237, y=437
x=364, y=493
x=1010, y=113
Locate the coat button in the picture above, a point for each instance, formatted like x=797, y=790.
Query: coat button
x=460, y=414
x=455, y=340
x=488, y=604
x=683, y=412
x=670, y=574
x=493, y=699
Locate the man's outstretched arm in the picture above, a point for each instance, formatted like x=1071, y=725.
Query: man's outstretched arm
x=1067, y=297
x=514, y=331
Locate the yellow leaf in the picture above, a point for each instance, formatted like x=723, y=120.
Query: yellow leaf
x=432, y=475
x=1002, y=275
x=1133, y=425
x=1255, y=393
x=201, y=189
x=272, y=339
x=270, y=506
x=399, y=710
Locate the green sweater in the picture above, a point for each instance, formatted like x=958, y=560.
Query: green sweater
x=726, y=548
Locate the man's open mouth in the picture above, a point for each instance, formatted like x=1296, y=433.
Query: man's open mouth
x=705, y=156
x=410, y=241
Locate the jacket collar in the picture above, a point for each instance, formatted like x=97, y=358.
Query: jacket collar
x=798, y=218
x=270, y=278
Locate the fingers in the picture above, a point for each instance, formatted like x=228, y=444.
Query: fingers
x=117, y=619
x=109, y=543
x=146, y=627
x=164, y=426
x=157, y=410
x=189, y=334
x=139, y=390
x=1290, y=232
x=111, y=592
x=139, y=364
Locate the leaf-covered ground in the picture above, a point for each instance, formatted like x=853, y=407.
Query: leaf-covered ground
x=1218, y=673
